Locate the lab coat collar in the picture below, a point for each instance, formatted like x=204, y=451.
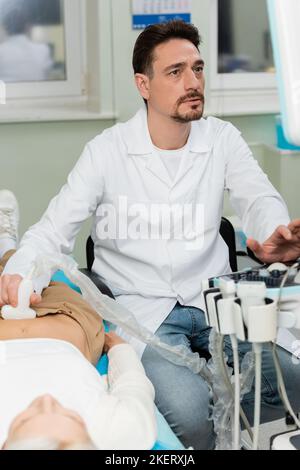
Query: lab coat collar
x=137, y=136
x=200, y=139
x=138, y=140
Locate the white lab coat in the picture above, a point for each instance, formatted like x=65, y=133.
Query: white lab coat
x=149, y=276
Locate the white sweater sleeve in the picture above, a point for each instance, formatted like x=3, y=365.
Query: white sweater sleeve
x=57, y=229
x=255, y=200
x=127, y=419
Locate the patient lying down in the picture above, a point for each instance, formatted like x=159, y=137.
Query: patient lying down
x=52, y=397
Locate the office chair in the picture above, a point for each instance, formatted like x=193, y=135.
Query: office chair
x=89, y=250
x=228, y=235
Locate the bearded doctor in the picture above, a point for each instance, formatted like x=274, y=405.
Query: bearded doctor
x=154, y=186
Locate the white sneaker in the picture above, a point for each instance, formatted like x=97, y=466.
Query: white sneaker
x=9, y=215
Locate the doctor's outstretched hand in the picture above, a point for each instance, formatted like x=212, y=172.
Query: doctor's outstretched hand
x=283, y=245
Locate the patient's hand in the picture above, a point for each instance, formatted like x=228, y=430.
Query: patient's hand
x=9, y=286
x=111, y=340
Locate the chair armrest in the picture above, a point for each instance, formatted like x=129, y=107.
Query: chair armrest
x=98, y=282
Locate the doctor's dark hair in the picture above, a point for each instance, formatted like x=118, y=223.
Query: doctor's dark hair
x=156, y=34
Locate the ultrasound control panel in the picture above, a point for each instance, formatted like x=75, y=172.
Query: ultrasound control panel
x=271, y=277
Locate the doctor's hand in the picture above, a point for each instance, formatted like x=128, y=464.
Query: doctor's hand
x=283, y=245
x=9, y=286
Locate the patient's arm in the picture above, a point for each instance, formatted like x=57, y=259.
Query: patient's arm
x=111, y=340
x=127, y=416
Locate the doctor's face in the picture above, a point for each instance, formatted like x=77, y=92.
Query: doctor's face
x=176, y=87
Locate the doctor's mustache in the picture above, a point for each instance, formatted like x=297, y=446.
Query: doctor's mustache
x=190, y=96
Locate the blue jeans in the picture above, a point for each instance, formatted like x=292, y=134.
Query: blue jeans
x=183, y=397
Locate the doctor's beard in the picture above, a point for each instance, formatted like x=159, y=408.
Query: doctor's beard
x=196, y=112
